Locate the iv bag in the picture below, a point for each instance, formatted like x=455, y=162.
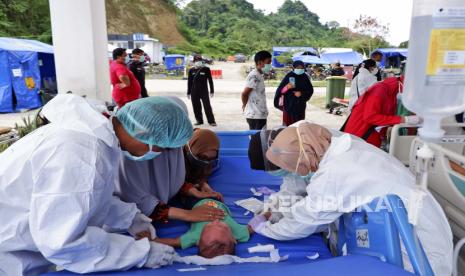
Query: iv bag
x=435, y=78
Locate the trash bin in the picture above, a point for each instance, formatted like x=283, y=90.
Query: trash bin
x=335, y=88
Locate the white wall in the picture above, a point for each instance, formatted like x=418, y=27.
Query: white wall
x=80, y=43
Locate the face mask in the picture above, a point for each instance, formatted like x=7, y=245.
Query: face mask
x=148, y=156
x=299, y=71
x=127, y=59
x=375, y=71
x=267, y=68
x=279, y=173
x=198, y=64
x=142, y=59
x=307, y=177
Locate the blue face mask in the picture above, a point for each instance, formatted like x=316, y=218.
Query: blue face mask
x=127, y=59
x=307, y=177
x=142, y=58
x=279, y=173
x=299, y=71
x=267, y=68
x=148, y=156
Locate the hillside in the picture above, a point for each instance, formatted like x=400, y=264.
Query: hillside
x=154, y=17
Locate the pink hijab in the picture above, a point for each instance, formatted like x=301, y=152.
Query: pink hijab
x=300, y=149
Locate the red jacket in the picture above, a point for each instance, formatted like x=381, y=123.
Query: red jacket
x=377, y=107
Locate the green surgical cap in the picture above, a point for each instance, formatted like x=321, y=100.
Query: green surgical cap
x=156, y=121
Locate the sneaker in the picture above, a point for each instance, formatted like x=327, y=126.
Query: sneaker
x=213, y=124
x=198, y=124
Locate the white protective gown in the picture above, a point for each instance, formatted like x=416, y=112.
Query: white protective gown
x=353, y=168
x=362, y=81
x=56, y=187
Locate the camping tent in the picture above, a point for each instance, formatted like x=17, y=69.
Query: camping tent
x=392, y=56
x=308, y=59
x=24, y=66
x=346, y=58
x=277, y=51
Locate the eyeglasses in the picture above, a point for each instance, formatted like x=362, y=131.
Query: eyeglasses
x=200, y=162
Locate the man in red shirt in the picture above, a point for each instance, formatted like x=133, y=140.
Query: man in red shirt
x=126, y=88
x=377, y=107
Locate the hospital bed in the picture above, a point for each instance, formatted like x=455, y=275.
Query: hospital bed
x=446, y=185
x=234, y=179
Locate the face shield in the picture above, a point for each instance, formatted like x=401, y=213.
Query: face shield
x=200, y=163
x=267, y=138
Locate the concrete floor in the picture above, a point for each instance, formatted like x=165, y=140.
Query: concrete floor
x=226, y=103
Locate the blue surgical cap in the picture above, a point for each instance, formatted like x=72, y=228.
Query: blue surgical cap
x=156, y=121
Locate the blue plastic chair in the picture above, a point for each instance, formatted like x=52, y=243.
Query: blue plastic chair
x=376, y=233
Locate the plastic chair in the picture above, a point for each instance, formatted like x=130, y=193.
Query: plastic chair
x=374, y=230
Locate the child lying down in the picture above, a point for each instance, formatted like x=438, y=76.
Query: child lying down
x=213, y=238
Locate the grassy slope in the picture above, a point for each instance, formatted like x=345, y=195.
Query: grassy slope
x=153, y=17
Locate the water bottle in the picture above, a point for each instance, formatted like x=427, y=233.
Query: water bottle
x=435, y=77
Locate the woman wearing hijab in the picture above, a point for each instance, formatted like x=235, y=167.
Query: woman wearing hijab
x=377, y=108
x=201, y=158
x=153, y=183
x=293, y=94
x=337, y=170
x=364, y=79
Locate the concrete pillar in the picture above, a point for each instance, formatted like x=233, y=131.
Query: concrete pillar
x=79, y=31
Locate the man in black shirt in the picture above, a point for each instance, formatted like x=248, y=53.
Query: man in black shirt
x=136, y=65
x=197, y=90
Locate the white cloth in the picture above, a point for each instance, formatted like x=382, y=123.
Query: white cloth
x=256, y=105
x=353, y=168
x=56, y=187
x=230, y=259
x=363, y=80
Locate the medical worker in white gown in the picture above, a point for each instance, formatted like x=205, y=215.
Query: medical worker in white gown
x=56, y=188
x=344, y=167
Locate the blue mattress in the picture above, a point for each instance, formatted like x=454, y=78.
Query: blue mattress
x=234, y=179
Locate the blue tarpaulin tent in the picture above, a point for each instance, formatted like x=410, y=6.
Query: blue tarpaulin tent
x=309, y=59
x=175, y=62
x=23, y=65
x=392, y=56
x=277, y=51
x=346, y=58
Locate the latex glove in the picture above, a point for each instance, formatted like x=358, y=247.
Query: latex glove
x=142, y=223
x=188, y=96
x=159, y=255
x=258, y=222
x=211, y=95
x=413, y=120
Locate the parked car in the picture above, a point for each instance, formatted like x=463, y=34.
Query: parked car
x=240, y=58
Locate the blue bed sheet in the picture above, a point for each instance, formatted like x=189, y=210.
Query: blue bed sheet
x=234, y=179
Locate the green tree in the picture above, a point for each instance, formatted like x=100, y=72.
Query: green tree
x=25, y=19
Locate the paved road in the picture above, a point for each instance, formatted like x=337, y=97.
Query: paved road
x=226, y=102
